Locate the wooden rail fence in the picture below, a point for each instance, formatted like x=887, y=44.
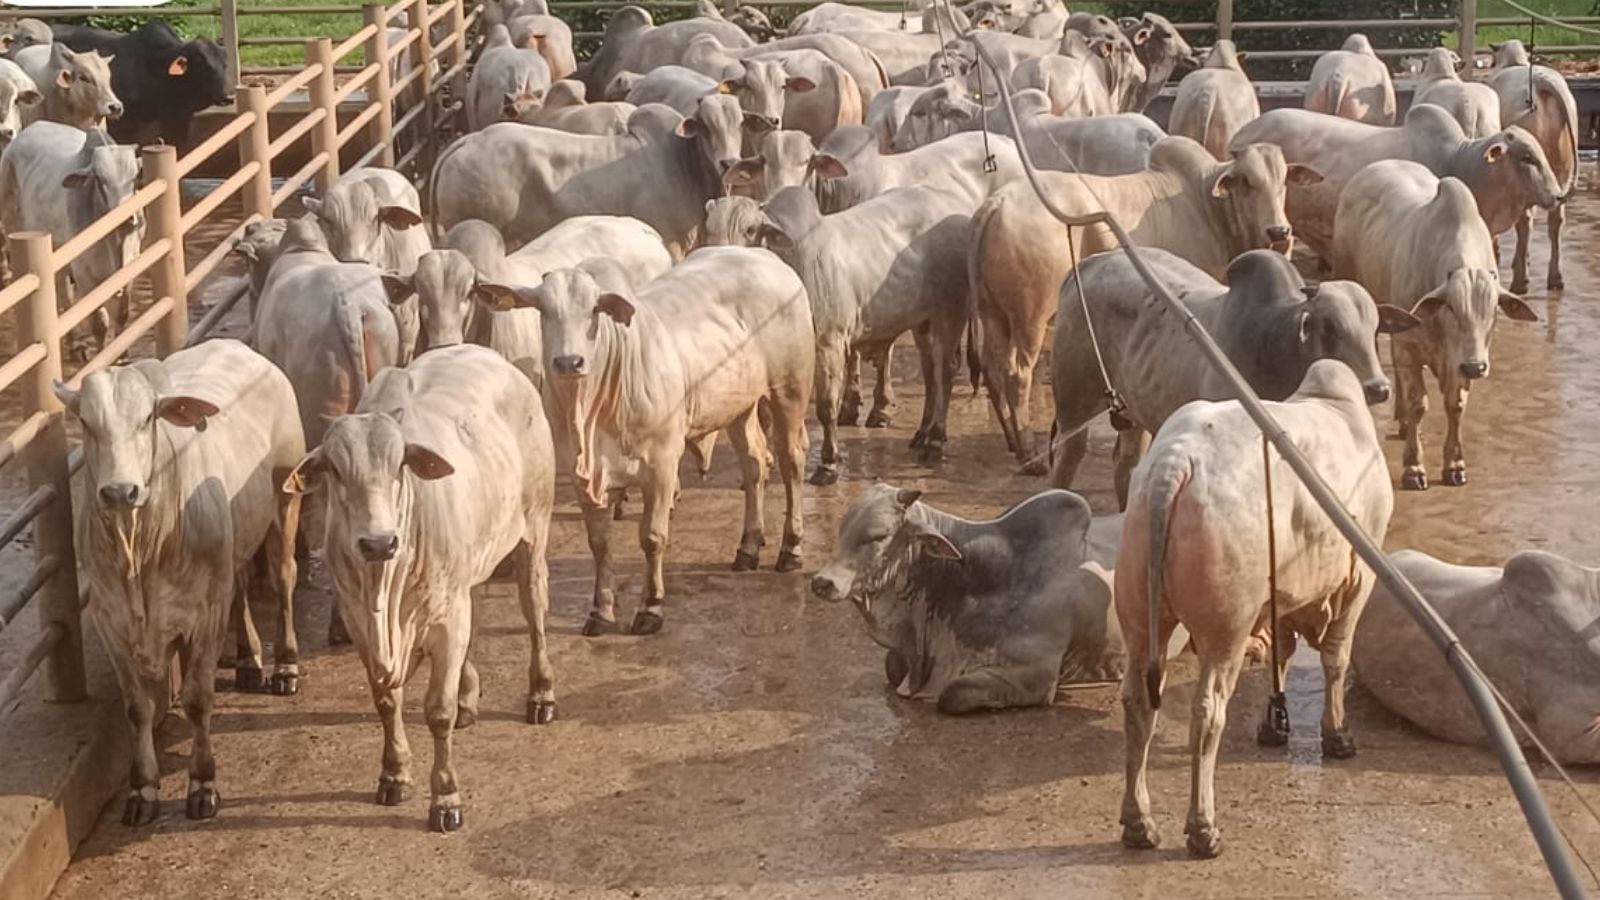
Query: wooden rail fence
x=40, y=441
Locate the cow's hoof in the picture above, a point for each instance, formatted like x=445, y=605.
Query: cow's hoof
x=390, y=791
x=1141, y=835
x=202, y=803
x=1555, y=283
x=465, y=718
x=541, y=712
x=1338, y=744
x=285, y=684
x=597, y=625
x=646, y=622
x=1414, y=481
x=788, y=561
x=1454, y=477
x=444, y=819
x=745, y=561
x=338, y=635
x=895, y=668
x=618, y=510
x=848, y=416
x=918, y=439
x=1519, y=285
x=825, y=475
x=1205, y=843
x=878, y=418
x=932, y=453
x=248, y=681
x=140, y=811
x=1035, y=467
x=1272, y=733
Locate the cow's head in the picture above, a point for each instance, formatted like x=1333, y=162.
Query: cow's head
x=753, y=22
x=1124, y=73
x=783, y=159
x=105, y=175
x=1161, y=47
x=364, y=466
x=1520, y=169
x=732, y=222
x=571, y=305
x=24, y=33
x=260, y=245
x=15, y=92
x=84, y=81
x=1251, y=189
x=760, y=85
x=716, y=128
x=354, y=215
x=1340, y=320
x=1461, y=313
x=119, y=408
x=197, y=74
x=446, y=289
x=938, y=112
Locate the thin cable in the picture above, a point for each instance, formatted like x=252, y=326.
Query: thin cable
x=1555, y=23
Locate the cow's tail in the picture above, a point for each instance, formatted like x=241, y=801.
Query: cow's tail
x=1546, y=84
x=974, y=358
x=1338, y=92
x=433, y=187
x=976, y=239
x=883, y=74
x=1163, y=485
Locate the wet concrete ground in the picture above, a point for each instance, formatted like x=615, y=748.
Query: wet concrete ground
x=753, y=748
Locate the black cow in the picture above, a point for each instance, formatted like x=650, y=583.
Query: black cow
x=161, y=79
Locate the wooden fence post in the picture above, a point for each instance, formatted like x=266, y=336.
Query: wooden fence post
x=421, y=90
x=458, y=61
x=228, y=11
x=167, y=275
x=1225, y=20
x=324, y=137
x=1468, y=29
x=380, y=88
x=47, y=465
x=255, y=145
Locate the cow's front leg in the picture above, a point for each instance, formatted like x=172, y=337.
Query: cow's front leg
x=661, y=485
x=850, y=403
x=533, y=590
x=882, y=387
x=199, y=657
x=1410, y=405
x=1519, y=260
x=830, y=382
x=1218, y=674
x=143, y=699
x=394, y=778
x=750, y=444
x=1138, y=728
x=447, y=656
x=597, y=526
x=283, y=571
x=1455, y=390
x=1557, y=218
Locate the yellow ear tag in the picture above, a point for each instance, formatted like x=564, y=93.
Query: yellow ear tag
x=725, y=88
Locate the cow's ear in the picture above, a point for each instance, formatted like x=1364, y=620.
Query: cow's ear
x=29, y=98
x=426, y=464
x=1104, y=49
x=906, y=497
x=1393, y=320
x=731, y=86
x=247, y=250
x=186, y=412
x=690, y=127
x=1495, y=152
x=303, y=478
x=6, y=40
x=774, y=238
x=1428, y=306
x=499, y=297
x=1223, y=185
x=799, y=85
x=1517, y=308
x=178, y=67
x=741, y=173
x=938, y=546
x=67, y=396
x=75, y=180
x=398, y=217
x=64, y=78
x=312, y=205
x=1142, y=36
x=828, y=167
x=616, y=306
x=397, y=287
x=1302, y=175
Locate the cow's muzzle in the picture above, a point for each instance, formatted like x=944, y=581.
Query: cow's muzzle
x=122, y=495
x=1280, y=239
x=824, y=588
x=378, y=547
x=1471, y=370
x=570, y=365
x=113, y=110
x=1376, y=392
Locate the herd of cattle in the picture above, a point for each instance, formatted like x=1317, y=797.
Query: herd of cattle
x=707, y=228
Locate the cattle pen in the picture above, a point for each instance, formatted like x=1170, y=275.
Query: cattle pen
x=347, y=107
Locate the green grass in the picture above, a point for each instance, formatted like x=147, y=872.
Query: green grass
x=336, y=26
x=1539, y=35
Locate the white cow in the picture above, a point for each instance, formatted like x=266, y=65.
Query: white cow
x=1474, y=106
x=1215, y=101
x=1417, y=241
x=503, y=70
x=1353, y=83
x=850, y=169
x=182, y=458
x=372, y=215
x=565, y=107
x=444, y=469
x=550, y=37
x=694, y=352
x=1195, y=553
x=1537, y=99
x=76, y=87
x=17, y=92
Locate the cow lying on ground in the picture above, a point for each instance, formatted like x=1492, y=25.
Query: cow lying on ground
x=986, y=614
x=692, y=353
x=444, y=469
x=181, y=462
x=161, y=79
x=1269, y=322
x=1528, y=626
x=1195, y=552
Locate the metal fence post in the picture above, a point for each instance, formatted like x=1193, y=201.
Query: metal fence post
x=379, y=89
x=47, y=465
x=255, y=145
x=421, y=90
x=325, y=136
x=458, y=62
x=1467, y=26
x=167, y=275
x=228, y=11
x=1224, y=20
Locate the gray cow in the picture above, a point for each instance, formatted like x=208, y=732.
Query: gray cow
x=662, y=172
x=565, y=107
x=981, y=615
x=1527, y=625
x=1271, y=324
x=372, y=215
x=849, y=168
x=444, y=469
x=181, y=462
x=76, y=86
x=503, y=70
x=634, y=43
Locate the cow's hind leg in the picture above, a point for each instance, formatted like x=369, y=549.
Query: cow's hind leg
x=1337, y=742
x=1130, y=447
x=789, y=434
x=750, y=445
x=994, y=687
x=440, y=705
x=247, y=660
x=282, y=569
x=882, y=387
x=830, y=382
x=1557, y=218
x=1455, y=390
x=929, y=367
x=533, y=590
x=1519, y=260
x=1138, y=729
x=199, y=657
x=850, y=402
x=1219, y=672
x=661, y=486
